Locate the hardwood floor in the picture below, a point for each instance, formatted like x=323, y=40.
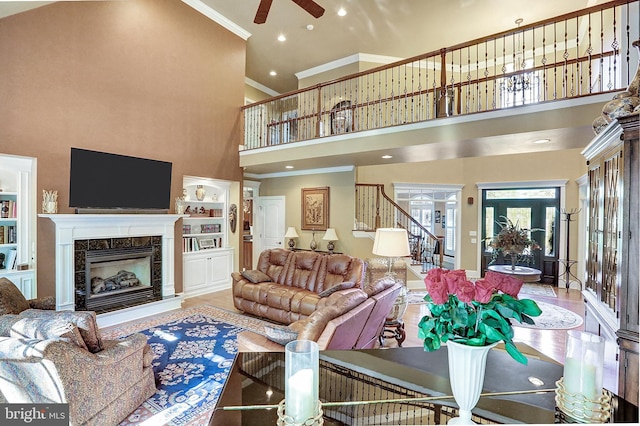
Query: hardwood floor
x=551, y=343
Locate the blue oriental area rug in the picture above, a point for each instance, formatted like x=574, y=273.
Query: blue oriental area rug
x=193, y=353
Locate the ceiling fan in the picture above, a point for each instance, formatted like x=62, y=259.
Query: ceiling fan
x=309, y=5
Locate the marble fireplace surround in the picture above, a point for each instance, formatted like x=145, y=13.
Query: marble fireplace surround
x=71, y=227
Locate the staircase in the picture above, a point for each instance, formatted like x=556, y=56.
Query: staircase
x=375, y=209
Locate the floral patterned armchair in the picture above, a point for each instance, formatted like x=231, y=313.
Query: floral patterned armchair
x=60, y=357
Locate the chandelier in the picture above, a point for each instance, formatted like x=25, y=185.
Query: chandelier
x=520, y=82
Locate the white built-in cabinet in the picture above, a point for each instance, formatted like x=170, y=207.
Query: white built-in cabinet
x=207, y=256
x=17, y=222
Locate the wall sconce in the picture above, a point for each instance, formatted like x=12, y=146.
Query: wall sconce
x=330, y=236
x=470, y=201
x=292, y=235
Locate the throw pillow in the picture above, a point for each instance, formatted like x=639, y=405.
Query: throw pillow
x=45, y=328
x=279, y=334
x=341, y=286
x=255, y=276
x=12, y=301
x=84, y=320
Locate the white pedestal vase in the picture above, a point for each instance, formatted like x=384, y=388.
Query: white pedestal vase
x=466, y=372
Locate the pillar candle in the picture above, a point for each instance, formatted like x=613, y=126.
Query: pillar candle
x=584, y=361
x=301, y=380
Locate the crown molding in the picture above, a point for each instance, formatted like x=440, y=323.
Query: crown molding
x=325, y=170
x=260, y=87
x=358, y=57
x=218, y=18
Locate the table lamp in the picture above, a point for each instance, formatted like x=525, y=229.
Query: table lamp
x=330, y=236
x=391, y=243
x=292, y=235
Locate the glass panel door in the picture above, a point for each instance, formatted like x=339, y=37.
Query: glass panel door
x=533, y=208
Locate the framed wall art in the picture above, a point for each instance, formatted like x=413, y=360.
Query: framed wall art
x=315, y=209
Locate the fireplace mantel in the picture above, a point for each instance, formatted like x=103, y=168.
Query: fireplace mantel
x=71, y=227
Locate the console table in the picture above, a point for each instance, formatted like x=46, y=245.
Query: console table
x=257, y=378
x=527, y=275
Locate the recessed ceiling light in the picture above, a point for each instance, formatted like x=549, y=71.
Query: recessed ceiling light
x=542, y=141
x=386, y=157
x=342, y=12
x=535, y=381
x=310, y=27
x=281, y=37
x=273, y=73
x=288, y=167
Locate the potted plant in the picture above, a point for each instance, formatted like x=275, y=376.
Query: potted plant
x=512, y=240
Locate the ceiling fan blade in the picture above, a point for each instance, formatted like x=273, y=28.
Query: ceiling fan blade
x=310, y=6
x=263, y=11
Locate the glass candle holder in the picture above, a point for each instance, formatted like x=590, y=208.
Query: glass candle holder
x=584, y=363
x=301, y=380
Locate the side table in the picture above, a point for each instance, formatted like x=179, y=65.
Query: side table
x=393, y=329
x=527, y=275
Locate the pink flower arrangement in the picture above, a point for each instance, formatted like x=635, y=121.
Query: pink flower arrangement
x=441, y=283
x=474, y=313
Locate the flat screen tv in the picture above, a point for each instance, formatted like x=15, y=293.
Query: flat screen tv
x=100, y=180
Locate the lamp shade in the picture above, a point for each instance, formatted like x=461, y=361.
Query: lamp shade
x=391, y=242
x=291, y=233
x=330, y=235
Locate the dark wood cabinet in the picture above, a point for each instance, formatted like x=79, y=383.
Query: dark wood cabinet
x=613, y=259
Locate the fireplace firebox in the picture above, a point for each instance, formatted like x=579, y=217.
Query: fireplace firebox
x=117, y=273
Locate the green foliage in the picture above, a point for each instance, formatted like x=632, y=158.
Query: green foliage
x=475, y=323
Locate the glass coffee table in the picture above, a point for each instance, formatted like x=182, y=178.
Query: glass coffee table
x=403, y=377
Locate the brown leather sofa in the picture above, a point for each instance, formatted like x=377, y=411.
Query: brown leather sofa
x=351, y=320
x=288, y=286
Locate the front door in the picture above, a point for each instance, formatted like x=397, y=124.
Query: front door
x=269, y=228
x=531, y=208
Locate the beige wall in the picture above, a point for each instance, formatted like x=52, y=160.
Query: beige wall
x=557, y=165
x=147, y=78
x=341, y=209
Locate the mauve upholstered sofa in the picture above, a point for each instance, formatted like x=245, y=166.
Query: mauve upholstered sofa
x=352, y=319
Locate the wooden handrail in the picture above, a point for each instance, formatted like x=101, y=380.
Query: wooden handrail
x=380, y=194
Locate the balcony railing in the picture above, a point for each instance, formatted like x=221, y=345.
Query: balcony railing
x=579, y=54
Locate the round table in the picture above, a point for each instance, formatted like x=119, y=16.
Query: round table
x=527, y=275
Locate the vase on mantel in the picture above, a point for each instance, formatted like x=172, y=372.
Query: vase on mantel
x=467, y=366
